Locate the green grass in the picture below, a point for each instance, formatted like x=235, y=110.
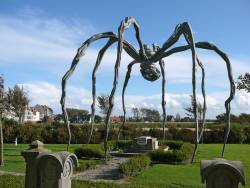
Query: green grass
x=14, y=162
x=189, y=175
x=168, y=176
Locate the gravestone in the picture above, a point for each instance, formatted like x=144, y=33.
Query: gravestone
x=45, y=169
x=55, y=169
x=30, y=155
x=144, y=144
x=221, y=173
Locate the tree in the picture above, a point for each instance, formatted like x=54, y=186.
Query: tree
x=190, y=110
x=150, y=114
x=103, y=103
x=2, y=109
x=244, y=82
x=18, y=101
x=77, y=115
x=136, y=114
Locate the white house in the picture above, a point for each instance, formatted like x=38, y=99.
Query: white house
x=31, y=115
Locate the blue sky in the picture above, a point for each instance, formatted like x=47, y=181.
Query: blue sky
x=40, y=38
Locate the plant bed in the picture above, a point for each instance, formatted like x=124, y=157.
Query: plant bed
x=178, y=153
x=134, y=166
x=86, y=152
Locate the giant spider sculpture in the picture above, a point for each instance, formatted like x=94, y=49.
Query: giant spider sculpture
x=147, y=58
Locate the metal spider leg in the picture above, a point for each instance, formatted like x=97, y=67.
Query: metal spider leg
x=123, y=96
x=98, y=62
x=80, y=52
x=206, y=45
x=199, y=132
x=163, y=103
x=184, y=29
x=210, y=46
x=204, y=107
x=124, y=25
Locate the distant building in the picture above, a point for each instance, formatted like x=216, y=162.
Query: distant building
x=170, y=118
x=115, y=119
x=31, y=115
x=44, y=111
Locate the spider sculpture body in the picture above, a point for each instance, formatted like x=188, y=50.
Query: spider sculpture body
x=147, y=58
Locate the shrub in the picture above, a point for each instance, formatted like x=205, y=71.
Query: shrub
x=86, y=164
x=236, y=135
x=172, y=144
x=89, y=152
x=135, y=165
x=123, y=145
x=247, y=134
x=181, y=155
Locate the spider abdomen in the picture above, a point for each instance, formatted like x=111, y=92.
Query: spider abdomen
x=150, y=72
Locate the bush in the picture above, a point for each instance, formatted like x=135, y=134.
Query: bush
x=134, y=166
x=89, y=152
x=181, y=155
x=123, y=145
x=172, y=144
x=236, y=135
x=247, y=134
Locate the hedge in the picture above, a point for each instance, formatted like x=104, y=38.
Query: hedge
x=88, y=152
x=173, y=156
x=56, y=133
x=134, y=166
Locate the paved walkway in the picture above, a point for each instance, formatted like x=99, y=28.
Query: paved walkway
x=104, y=172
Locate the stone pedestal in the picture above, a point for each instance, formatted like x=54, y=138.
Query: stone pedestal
x=30, y=155
x=45, y=169
x=221, y=173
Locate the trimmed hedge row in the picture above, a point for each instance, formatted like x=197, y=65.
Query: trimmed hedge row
x=176, y=154
x=57, y=134
x=88, y=152
x=134, y=166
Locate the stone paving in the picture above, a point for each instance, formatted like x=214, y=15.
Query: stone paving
x=103, y=172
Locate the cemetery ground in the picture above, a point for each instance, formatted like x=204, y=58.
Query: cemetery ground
x=158, y=175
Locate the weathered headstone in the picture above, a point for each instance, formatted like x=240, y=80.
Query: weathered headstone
x=45, y=169
x=55, y=169
x=221, y=173
x=30, y=155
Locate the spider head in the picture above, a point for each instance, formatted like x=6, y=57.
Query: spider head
x=150, y=72
x=150, y=51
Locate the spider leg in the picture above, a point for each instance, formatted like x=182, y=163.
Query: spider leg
x=210, y=46
x=98, y=62
x=163, y=103
x=129, y=69
x=183, y=29
x=204, y=108
x=81, y=52
x=125, y=24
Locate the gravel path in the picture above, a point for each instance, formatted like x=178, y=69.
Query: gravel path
x=104, y=172
x=11, y=173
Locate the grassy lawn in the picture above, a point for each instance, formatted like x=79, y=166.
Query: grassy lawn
x=189, y=175
x=14, y=162
x=171, y=176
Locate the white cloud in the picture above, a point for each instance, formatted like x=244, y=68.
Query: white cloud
x=49, y=94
